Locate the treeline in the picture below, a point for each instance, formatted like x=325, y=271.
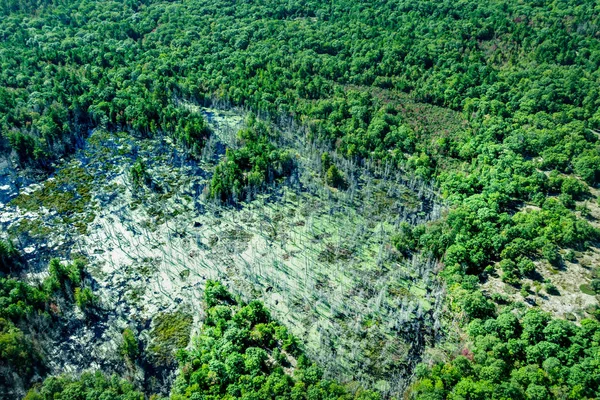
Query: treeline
x=28, y=315
x=482, y=231
x=299, y=58
x=239, y=353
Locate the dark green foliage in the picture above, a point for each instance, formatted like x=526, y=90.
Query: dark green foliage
x=215, y=293
x=85, y=299
x=481, y=231
x=63, y=278
x=407, y=238
x=330, y=172
x=368, y=80
x=529, y=357
x=23, y=145
x=189, y=129
x=573, y=188
x=476, y=305
x=89, y=386
x=364, y=79
x=9, y=257
x=130, y=349
x=17, y=353
x=20, y=353
x=595, y=284
x=242, y=353
x=139, y=173
x=250, y=167
x=334, y=178
x=19, y=299
x=588, y=167
x=551, y=288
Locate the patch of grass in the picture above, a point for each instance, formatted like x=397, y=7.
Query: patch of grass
x=31, y=228
x=135, y=294
x=68, y=193
x=587, y=289
x=238, y=234
x=171, y=332
x=147, y=268
x=332, y=253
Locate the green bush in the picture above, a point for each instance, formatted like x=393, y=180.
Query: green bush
x=139, y=173
x=130, y=349
x=595, y=285
x=85, y=299
x=9, y=257
x=334, y=178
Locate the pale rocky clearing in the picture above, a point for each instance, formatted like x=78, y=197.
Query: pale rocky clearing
x=319, y=258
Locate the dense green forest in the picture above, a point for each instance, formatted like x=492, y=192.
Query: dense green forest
x=522, y=356
x=370, y=82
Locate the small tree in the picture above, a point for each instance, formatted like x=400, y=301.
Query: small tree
x=139, y=174
x=130, y=348
x=334, y=178
x=85, y=299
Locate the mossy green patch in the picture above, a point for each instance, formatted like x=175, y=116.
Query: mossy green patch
x=171, y=332
x=68, y=193
x=587, y=289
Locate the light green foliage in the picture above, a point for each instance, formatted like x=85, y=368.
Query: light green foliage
x=526, y=357
x=63, y=277
x=130, y=349
x=85, y=299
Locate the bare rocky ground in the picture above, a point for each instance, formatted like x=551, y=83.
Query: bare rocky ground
x=319, y=258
